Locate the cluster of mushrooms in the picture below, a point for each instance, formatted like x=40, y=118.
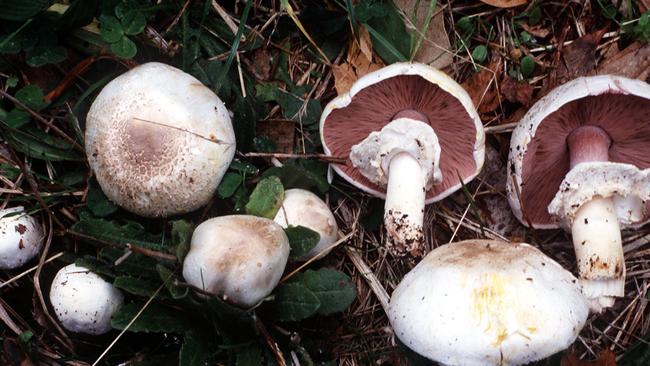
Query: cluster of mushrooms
x=411, y=135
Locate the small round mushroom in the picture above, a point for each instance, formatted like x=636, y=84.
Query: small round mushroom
x=158, y=141
x=21, y=237
x=83, y=301
x=484, y=302
x=303, y=208
x=238, y=257
x=580, y=160
x=410, y=135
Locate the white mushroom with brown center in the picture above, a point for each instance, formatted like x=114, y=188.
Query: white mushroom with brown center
x=239, y=258
x=21, y=237
x=303, y=208
x=158, y=141
x=486, y=303
x=83, y=301
x=412, y=136
x=580, y=159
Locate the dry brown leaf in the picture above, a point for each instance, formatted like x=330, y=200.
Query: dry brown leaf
x=357, y=64
x=606, y=358
x=516, y=91
x=365, y=43
x=281, y=132
x=505, y=3
x=537, y=31
x=579, y=57
x=260, y=64
x=482, y=87
x=435, y=46
x=632, y=62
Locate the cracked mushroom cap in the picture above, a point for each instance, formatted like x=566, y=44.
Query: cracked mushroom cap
x=158, y=141
x=484, y=302
x=21, y=237
x=238, y=257
x=539, y=154
x=414, y=91
x=83, y=301
x=303, y=208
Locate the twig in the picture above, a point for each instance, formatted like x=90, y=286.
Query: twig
x=504, y=128
x=25, y=273
x=318, y=256
x=323, y=157
x=273, y=345
x=129, y=246
x=370, y=277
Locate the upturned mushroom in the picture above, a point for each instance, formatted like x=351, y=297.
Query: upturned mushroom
x=158, y=141
x=303, y=208
x=239, y=258
x=411, y=135
x=487, y=303
x=21, y=237
x=579, y=160
x=82, y=301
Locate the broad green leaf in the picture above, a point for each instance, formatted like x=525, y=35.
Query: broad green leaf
x=243, y=167
x=302, y=240
x=181, y=237
x=133, y=22
x=177, y=292
x=107, y=230
x=124, y=48
x=21, y=9
x=479, y=54
x=155, y=318
x=17, y=118
x=295, y=176
x=46, y=54
x=31, y=96
x=111, y=29
x=134, y=264
x=250, y=355
x=527, y=66
x=229, y=184
x=196, y=349
x=266, y=199
x=294, y=301
x=136, y=286
x=97, y=201
x=97, y=266
x=39, y=148
x=334, y=289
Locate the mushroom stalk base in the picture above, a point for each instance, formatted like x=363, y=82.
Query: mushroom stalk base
x=404, y=208
x=599, y=251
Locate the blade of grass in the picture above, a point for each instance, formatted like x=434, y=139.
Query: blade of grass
x=386, y=43
x=422, y=32
x=235, y=45
x=287, y=7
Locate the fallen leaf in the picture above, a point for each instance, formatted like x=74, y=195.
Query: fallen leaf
x=579, y=57
x=281, y=132
x=261, y=64
x=365, y=43
x=517, y=91
x=537, y=31
x=632, y=62
x=606, y=358
x=356, y=64
x=434, y=49
x=505, y=3
x=481, y=87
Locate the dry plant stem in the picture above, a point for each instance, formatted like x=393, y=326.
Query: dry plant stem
x=134, y=248
x=322, y=157
x=273, y=345
x=4, y=316
x=25, y=273
x=595, y=229
x=370, y=277
x=319, y=255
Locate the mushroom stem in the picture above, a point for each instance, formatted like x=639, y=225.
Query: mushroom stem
x=599, y=251
x=404, y=208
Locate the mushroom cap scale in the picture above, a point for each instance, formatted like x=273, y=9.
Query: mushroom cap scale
x=303, y=208
x=238, y=257
x=21, y=237
x=539, y=155
x=406, y=90
x=83, y=301
x=484, y=302
x=158, y=141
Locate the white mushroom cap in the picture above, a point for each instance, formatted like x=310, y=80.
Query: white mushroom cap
x=484, y=302
x=158, y=141
x=303, y=208
x=83, y=301
x=238, y=257
x=21, y=237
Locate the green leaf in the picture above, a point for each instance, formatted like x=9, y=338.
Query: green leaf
x=136, y=286
x=181, y=237
x=293, y=302
x=196, y=349
x=480, y=54
x=527, y=66
x=17, y=118
x=21, y=9
x=133, y=22
x=291, y=105
x=389, y=36
x=111, y=231
x=177, y=292
x=39, y=145
x=155, y=318
x=243, y=167
x=534, y=15
x=229, y=184
x=111, y=29
x=95, y=265
x=295, y=176
x=266, y=199
x=302, y=240
x=250, y=355
x=124, y=48
x=31, y=96
x=44, y=55
x=334, y=289
x=97, y=201
x=134, y=264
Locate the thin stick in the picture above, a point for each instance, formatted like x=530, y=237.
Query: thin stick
x=25, y=273
x=273, y=345
x=370, y=277
x=323, y=157
x=129, y=246
x=211, y=139
x=318, y=256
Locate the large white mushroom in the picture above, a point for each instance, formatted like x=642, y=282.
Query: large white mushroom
x=21, y=237
x=487, y=303
x=238, y=257
x=82, y=301
x=158, y=141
